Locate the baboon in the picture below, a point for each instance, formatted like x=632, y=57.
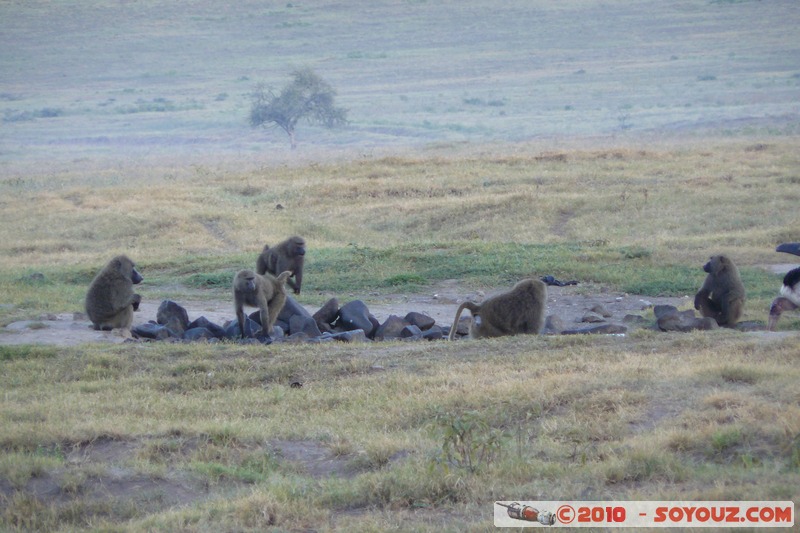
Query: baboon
x=266, y=292
x=722, y=295
x=110, y=301
x=520, y=310
x=789, y=300
x=287, y=255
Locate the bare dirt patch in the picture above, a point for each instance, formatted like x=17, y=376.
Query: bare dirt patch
x=439, y=302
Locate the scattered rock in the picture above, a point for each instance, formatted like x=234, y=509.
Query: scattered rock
x=355, y=315
x=391, y=328
x=251, y=327
x=635, y=321
x=750, y=325
x=173, y=316
x=433, y=333
x=670, y=319
x=203, y=322
x=304, y=324
x=607, y=329
x=355, y=335
x=663, y=310
x=423, y=322
x=151, y=330
x=592, y=317
x=601, y=310
x=553, y=325
x=197, y=334
x=411, y=333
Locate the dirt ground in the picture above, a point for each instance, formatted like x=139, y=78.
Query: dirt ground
x=440, y=302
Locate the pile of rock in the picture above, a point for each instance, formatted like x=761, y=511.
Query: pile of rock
x=351, y=322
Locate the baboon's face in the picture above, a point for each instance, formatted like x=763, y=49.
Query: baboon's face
x=299, y=247
x=716, y=264
x=249, y=284
x=136, y=278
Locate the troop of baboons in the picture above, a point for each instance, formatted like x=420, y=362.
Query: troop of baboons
x=111, y=302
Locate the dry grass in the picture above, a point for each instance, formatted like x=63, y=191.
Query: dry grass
x=652, y=417
x=680, y=203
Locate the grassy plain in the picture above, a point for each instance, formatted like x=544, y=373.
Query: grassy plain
x=194, y=437
x=618, y=144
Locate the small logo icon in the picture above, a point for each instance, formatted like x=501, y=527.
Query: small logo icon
x=529, y=514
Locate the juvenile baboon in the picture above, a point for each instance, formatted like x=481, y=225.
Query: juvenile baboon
x=110, y=301
x=722, y=295
x=520, y=310
x=266, y=292
x=287, y=255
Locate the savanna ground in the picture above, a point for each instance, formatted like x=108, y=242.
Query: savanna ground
x=618, y=145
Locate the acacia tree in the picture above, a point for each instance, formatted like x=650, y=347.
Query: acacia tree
x=307, y=97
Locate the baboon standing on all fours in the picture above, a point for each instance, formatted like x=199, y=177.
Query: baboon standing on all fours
x=287, y=255
x=110, y=302
x=722, y=295
x=520, y=310
x=266, y=292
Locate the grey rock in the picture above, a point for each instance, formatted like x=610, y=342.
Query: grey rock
x=202, y=322
x=251, y=328
x=411, y=332
x=433, y=333
x=601, y=310
x=173, y=316
x=391, y=328
x=302, y=324
x=355, y=335
x=592, y=317
x=605, y=329
x=423, y=322
x=291, y=308
x=355, y=315
x=151, y=330
x=196, y=334
x=664, y=310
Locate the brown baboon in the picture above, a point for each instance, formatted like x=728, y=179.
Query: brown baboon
x=287, y=255
x=722, y=295
x=520, y=310
x=110, y=302
x=266, y=292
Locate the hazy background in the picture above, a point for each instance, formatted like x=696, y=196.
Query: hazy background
x=89, y=83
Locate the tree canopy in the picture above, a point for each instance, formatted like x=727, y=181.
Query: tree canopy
x=307, y=97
